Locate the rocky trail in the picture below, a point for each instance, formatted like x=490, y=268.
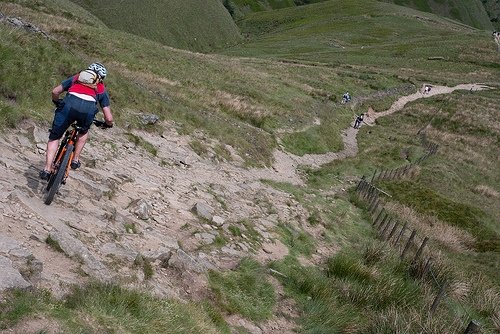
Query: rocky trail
x=125, y=206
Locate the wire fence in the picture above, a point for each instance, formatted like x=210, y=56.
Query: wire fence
x=406, y=240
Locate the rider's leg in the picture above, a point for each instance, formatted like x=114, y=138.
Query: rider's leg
x=82, y=138
x=50, y=154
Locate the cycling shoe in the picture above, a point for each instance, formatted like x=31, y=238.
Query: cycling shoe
x=75, y=164
x=44, y=175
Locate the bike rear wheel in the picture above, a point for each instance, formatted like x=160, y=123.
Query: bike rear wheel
x=57, y=178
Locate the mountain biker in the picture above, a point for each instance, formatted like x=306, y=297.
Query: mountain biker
x=346, y=97
x=359, y=120
x=80, y=105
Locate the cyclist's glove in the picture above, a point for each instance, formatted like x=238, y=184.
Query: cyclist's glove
x=58, y=103
x=102, y=125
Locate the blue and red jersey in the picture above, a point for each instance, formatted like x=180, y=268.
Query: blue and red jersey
x=99, y=93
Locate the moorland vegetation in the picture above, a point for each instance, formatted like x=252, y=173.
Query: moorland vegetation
x=271, y=77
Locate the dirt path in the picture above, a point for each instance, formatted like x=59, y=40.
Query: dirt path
x=285, y=165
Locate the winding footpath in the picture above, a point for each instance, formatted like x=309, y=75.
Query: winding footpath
x=285, y=166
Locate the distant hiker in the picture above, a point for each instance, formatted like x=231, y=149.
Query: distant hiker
x=84, y=90
x=496, y=37
x=346, y=97
x=358, y=121
x=427, y=89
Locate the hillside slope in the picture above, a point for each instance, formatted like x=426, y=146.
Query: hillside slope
x=471, y=12
x=186, y=24
x=222, y=201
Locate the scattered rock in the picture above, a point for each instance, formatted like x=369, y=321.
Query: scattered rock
x=203, y=210
x=182, y=261
x=161, y=254
x=218, y=221
x=119, y=251
x=10, y=278
x=142, y=209
x=21, y=259
x=23, y=141
x=149, y=119
x=74, y=248
x=206, y=238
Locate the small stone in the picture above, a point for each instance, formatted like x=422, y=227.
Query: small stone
x=218, y=221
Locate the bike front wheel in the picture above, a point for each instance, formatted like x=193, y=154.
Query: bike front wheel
x=57, y=177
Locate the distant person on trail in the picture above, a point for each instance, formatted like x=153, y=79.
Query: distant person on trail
x=346, y=97
x=84, y=91
x=427, y=89
x=358, y=121
x=496, y=37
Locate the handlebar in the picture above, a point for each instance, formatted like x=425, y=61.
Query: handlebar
x=101, y=124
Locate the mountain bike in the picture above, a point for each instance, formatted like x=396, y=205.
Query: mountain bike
x=63, y=158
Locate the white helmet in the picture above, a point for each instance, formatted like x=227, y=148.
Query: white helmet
x=99, y=69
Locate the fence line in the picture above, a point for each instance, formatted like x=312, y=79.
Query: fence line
x=395, y=233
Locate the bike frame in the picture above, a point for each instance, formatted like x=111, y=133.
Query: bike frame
x=71, y=137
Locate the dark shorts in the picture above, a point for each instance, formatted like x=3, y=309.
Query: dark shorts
x=74, y=109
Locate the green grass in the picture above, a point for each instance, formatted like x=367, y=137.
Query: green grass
x=107, y=308
x=471, y=12
x=367, y=289
x=298, y=242
x=344, y=223
x=185, y=24
x=297, y=62
x=391, y=39
x=348, y=295
x=224, y=95
x=245, y=291
x=20, y=304
x=427, y=201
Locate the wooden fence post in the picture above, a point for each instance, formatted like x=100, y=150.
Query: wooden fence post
x=382, y=222
x=408, y=243
x=358, y=187
x=438, y=298
x=420, y=249
x=373, y=199
x=401, y=233
x=364, y=187
x=426, y=267
x=399, y=172
x=373, y=208
x=382, y=233
x=368, y=191
x=373, y=194
x=379, y=215
x=473, y=328
x=407, y=169
x=396, y=224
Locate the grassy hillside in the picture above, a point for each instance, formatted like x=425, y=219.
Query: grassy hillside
x=187, y=24
x=482, y=14
x=471, y=12
x=493, y=9
x=276, y=87
x=376, y=36
x=239, y=8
